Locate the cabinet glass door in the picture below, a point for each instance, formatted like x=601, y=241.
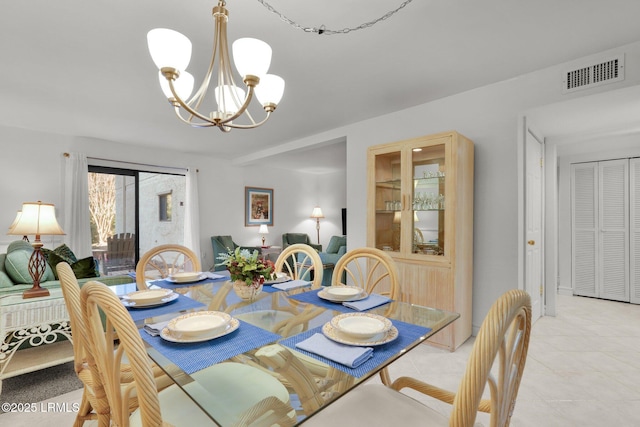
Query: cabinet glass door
x=388, y=201
x=428, y=199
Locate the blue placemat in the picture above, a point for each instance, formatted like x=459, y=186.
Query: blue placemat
x=312, y=297
x=407, y=334
x=180, y=304
x=192, y=357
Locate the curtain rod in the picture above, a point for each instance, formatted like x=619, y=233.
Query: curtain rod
x=134, y=163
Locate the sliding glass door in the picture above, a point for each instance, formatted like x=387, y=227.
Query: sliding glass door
x=131, y=212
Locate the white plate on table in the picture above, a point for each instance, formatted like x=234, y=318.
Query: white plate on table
x=148, y=298
x=186, y=277
x=199, y=323
x=329, y=297
x=361, y=326
x=337, y=336
x=231, y=326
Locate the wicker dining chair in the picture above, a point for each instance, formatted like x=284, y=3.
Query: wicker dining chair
x=502, y=344
x=163, y=260
x=93, y=404
x=260, y=398
x=299, y=261
x=368, y=268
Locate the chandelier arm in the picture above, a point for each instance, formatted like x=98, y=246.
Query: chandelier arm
x=190, y=122
x=251, y=126
x=187, y=108
x=241, y=110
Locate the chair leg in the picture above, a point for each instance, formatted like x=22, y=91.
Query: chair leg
x=385, y=377
x=84, y=412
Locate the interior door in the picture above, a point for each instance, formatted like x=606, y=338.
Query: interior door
x=584, y=229
x=533, y=224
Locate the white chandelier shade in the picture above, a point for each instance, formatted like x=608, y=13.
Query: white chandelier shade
x=171, y=52
x=169, y=48
x=251, y=56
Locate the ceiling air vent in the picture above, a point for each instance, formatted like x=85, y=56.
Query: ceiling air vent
x=609, y=71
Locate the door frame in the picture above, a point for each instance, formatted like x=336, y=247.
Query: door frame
x=549, y=220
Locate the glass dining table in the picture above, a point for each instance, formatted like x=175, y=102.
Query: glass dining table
x=273, y=364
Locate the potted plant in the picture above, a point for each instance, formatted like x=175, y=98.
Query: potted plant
x=248, y=271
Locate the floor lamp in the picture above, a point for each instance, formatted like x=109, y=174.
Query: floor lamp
x=39, y=219
x=317, y=214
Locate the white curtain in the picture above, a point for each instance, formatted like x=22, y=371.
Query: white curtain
x=75, y=198
x=192, y=213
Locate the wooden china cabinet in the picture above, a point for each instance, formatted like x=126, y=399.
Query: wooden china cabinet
x=420, y=210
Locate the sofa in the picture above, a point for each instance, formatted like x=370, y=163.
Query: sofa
x=335, y=249
x=293, y=238
x=14, y=269
x=222, y=245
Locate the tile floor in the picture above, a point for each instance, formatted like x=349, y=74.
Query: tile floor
x=583, y=369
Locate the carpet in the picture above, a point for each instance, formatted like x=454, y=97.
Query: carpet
x=40, y=385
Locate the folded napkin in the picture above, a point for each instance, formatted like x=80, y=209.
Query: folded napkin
x=373, y=300
x=292, y=284
x=211, y=275
x=340, y=353
x=154, y=329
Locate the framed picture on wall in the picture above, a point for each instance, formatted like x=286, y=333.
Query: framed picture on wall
x=258, y=206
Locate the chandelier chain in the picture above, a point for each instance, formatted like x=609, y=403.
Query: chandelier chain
x=322, y=30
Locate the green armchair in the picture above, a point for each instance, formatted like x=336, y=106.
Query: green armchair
x=293, y=238
x=222, y=245
x=335, y=249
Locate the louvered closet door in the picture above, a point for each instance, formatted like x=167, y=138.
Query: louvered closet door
x=584, y=230
x=634, y=232
x=614, y=229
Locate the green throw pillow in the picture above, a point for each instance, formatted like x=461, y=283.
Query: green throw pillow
x=5, y=281
x=16, y=263
x=63, y=251
x=335, y=243
x=83, y=268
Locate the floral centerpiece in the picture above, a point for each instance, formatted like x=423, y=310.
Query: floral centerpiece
x=247, y=267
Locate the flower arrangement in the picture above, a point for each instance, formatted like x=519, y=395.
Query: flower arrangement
x=246, y=266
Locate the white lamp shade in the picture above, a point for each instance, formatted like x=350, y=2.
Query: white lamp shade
x=15, y=220
x=317, y=213
x=263, y=229
x=169, y=48
x=270, y=89
x=227, y=101
x=38, y=219
x=251, y=56
x=183, y=85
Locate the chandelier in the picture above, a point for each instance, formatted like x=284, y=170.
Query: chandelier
x=171, y=52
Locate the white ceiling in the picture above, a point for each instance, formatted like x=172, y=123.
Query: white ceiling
x=82, y=67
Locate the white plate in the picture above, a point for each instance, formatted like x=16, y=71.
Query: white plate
x=324, y=295
x=232, y=326
x=337, y=336
x=131, y=304
x=199, y=323
x=186, y=277
x=148, y=296
x=361, y=325
x=343, y=293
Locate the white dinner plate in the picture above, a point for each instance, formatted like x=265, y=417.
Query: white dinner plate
x=326, y=296
x=232, y=326
x=133, y=304
x=361, y=325
x=337, y=336
x=187, y=277
x=199, y=323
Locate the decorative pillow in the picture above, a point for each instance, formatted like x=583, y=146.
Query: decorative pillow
x=63, y=251
x=335, y=243
x=16, y=263
x=83, y=268
x=5, y=281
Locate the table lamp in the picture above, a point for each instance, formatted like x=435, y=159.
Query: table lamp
x=317, y=214
x=263, y=230
x=39, y=219
x=15, y=221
